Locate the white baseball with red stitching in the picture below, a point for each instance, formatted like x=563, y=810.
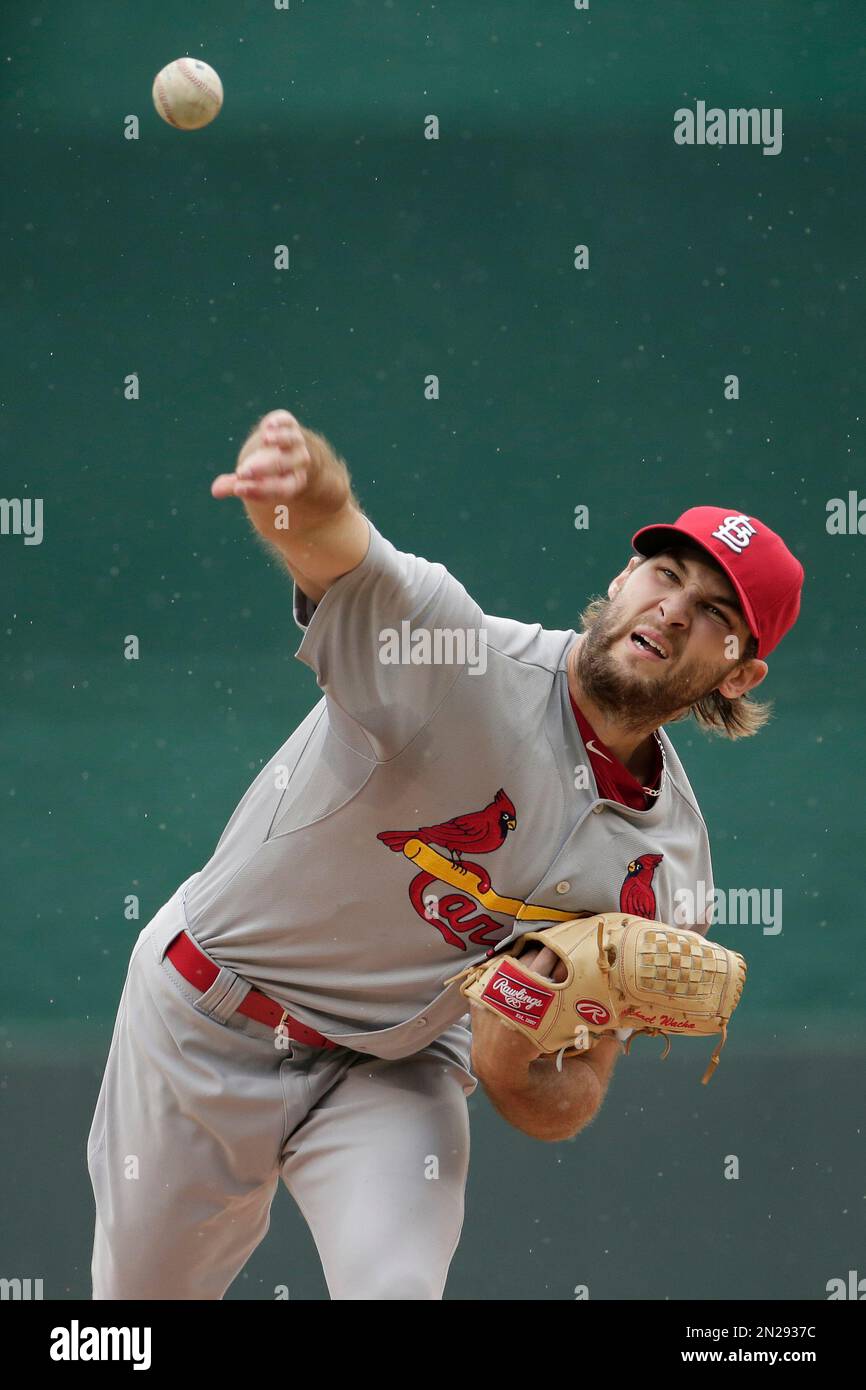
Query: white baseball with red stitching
x=187, y=93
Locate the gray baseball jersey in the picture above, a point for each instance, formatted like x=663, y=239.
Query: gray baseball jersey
x=437, y=801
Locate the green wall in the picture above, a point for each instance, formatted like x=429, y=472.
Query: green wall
x=558, y=387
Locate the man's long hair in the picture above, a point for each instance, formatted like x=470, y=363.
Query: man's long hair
x=740, y=718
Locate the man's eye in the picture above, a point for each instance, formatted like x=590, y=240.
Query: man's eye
x=711, y=609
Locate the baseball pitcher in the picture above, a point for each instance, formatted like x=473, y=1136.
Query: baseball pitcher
x=478, y=858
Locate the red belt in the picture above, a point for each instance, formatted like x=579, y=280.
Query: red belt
x=201, y=971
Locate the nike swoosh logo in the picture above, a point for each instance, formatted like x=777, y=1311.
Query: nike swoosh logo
x=597, y=751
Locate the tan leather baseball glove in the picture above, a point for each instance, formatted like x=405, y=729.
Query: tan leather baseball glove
x=619, y=972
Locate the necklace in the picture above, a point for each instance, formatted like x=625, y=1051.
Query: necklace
x=661, y=786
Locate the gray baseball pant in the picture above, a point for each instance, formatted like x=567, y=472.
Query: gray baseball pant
x=199, y=1115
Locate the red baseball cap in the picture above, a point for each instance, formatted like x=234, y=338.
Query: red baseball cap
x=767, y=577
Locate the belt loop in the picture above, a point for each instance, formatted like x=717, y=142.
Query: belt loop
x=222, y=998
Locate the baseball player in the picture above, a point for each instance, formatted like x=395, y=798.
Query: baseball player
x=285, y=1014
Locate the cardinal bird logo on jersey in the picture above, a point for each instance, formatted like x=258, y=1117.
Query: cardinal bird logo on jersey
x=636, y=896
x=455, y=914
x=477, y=831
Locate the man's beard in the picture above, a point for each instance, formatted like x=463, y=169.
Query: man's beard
x=636, y=703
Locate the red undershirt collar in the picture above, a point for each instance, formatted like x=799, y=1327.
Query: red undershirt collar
x=614, y=781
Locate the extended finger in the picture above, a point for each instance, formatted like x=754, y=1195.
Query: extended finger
x=283, y=436
x=271, y=489
x=224, y=485
x=544, y=960
x=268, y=463
x=263, y=430
x=547, y=962
x=276, y=419
x=279, y=429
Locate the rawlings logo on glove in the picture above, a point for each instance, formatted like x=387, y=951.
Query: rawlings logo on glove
x=507, y=992
x=614, y=971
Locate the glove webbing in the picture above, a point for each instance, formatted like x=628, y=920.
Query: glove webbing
x=604, y=964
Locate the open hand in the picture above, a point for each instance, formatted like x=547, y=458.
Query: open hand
x=273, y=466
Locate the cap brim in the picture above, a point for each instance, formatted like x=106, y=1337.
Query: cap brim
x=655, y=538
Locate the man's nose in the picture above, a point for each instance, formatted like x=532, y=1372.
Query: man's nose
x=674, y=611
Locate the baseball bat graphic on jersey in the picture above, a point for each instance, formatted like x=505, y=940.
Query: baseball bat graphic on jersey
x=464, y=878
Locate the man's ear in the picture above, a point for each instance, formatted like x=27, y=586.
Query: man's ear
x=615, y=585
x=743, y=679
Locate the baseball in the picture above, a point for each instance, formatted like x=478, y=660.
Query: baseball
x=187, y=93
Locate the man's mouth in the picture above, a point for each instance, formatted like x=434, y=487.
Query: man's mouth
x=648, y=646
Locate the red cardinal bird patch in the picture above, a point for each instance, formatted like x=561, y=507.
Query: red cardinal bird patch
x=479, y=832
x=637, y=895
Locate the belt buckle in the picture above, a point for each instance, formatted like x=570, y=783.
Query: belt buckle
x=282, y=1036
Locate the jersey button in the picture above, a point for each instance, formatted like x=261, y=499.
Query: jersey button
x=563, y=886
x=597, y=810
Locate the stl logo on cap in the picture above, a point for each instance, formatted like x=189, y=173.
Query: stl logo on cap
x=735, y=532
